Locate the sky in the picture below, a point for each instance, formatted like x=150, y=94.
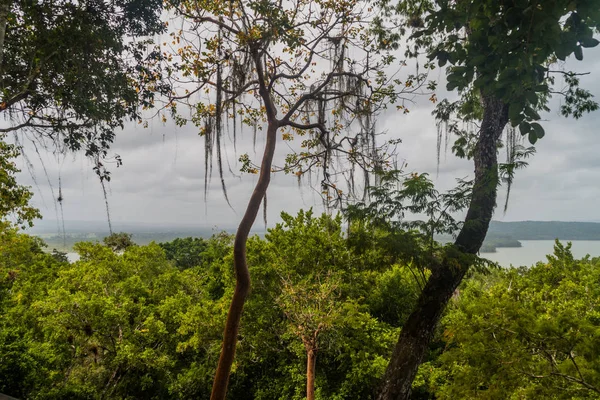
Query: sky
x=161, y=180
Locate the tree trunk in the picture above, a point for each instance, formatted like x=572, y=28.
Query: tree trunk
x=4, y=10
x=419, y=328
x=310, y=373
x=240, y=265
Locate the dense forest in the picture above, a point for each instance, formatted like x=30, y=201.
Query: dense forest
x=128, y=321
x=379, y=310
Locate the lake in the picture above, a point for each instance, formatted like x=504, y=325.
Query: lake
x=531, y=252
x=536, y=250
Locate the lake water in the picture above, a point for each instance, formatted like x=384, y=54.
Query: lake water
x=531, y=252
x=536, y=250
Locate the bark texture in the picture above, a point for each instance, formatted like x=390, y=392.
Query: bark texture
x=4, y=10
x=310, y=373
x=240, y=265
x=419, y=328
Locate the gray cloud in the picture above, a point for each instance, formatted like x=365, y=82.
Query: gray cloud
x=162, y=178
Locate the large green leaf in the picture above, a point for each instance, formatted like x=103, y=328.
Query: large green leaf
x=524, y=128
x=539, y=131
x=514, y=110
x=532, y=137
x=589, y=42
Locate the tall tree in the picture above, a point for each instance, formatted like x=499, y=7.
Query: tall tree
x=297, y=68
x=503, y=58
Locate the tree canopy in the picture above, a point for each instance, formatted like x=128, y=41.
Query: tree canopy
x=525, y=332
x=67, y=69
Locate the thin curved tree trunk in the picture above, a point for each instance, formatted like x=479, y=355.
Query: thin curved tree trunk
x=419, y=328
x=242, y=274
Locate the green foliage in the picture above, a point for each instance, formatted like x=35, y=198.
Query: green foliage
x=25, y=271
x=131, y=324
x=505, y=50
x=14, y=198
x=118, y=241
x=524, y=333
x=68, y=66
x=111, y=325
x=397, y=196
x=483, y=36
x=309, y=291
x=382, y=222
x=185, y=252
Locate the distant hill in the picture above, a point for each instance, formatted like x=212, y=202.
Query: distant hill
x=546, y=230
x=143, y=233
x=101, y=227
x=500, y=234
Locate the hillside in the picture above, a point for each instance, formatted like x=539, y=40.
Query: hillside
x=546, y=230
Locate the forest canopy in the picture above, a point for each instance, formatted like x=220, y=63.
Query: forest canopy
x=139, y=324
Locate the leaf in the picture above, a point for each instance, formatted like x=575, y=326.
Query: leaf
x=478, y=60
x=470, y=75
x=442, y=59
x=531, y=113
x=514, y=110
x=579, y=53
x=539, y=131
x=479, y=82
x=532, y=137
x=563, y=50
x=418, y=34
x=451, y=85
x=531, y=97
x=588, y=42
x=524, y=128
x=453, y=76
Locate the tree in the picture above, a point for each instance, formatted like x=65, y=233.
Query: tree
x=185, y=252
x=311, y=295
x=313, y=319
x=118, y=242
x=311, y=309
x=122, y=324
x=526, y=332
x=68, y=69
x=295, y=68
x=107, y=326
x=501, y=57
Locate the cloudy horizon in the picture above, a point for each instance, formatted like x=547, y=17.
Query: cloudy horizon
x=161, y=180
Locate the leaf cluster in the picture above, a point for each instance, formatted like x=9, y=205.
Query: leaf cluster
x=68, y=66
x=507, y=50
x=524, y=332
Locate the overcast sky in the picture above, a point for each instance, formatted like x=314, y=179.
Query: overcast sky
x=162, y=177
